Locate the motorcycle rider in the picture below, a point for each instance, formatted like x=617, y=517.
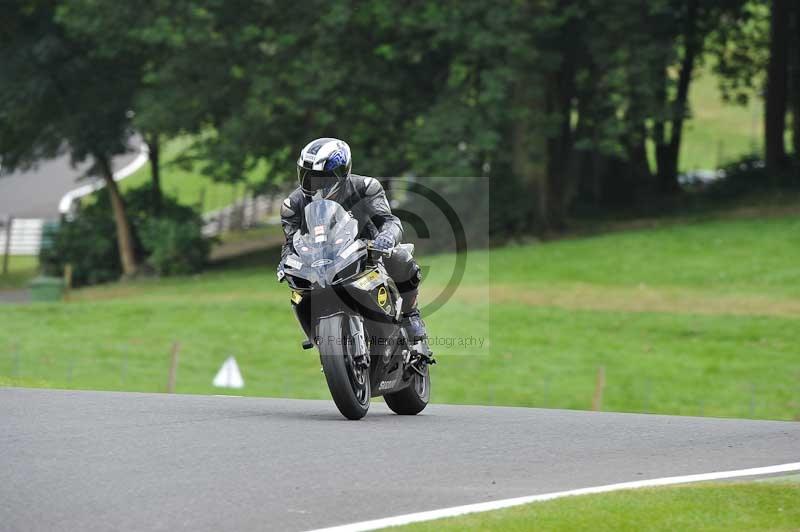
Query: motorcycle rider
x=324, y=170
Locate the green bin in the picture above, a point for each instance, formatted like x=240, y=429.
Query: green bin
x=47, y=289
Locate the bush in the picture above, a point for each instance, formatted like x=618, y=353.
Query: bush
x=169, y=244
x=88, y=243
x=175, y=248
x=749, y=175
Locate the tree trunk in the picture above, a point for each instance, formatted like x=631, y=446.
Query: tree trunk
x=659, y=126
x=794, y=78
x=528, y=152
x=589, y=161
x=561, y=89
x=127, y=253
x=637, y=155
x=668, y=174
x=154, y=147
x=775, y=112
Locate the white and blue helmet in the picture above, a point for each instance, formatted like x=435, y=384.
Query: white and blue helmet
x=323, y=166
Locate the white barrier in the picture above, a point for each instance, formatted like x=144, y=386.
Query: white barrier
x=68, y=200
x=243, y=214
x=26, y=236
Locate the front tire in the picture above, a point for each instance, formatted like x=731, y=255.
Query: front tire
x=349, y=385
x=413, y=399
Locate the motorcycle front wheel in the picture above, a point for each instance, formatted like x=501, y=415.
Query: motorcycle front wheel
x=348, y=384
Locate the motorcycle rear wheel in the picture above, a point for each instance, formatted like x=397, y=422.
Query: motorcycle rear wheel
x=413, y=399
x=349, y=385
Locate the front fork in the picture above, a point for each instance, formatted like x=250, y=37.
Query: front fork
x=359, y=338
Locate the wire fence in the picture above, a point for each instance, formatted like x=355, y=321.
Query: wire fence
x=247, y=212
x=122, y=367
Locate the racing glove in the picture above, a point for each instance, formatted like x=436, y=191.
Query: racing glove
x=384, y=241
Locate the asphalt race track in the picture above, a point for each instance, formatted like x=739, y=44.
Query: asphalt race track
x=74, y=460
x=35, y=193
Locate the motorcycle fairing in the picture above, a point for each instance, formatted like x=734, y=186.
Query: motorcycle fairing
x=369, y=299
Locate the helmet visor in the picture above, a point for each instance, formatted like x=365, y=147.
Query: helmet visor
x=312, y=181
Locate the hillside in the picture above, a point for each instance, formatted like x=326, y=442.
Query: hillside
x=697, y=319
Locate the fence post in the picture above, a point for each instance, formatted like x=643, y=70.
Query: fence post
x=251, y=206
x=17, y=363
x=546, y=395
x=7, y=250
x=600, y=383
x=173, y=367
x=67, y=280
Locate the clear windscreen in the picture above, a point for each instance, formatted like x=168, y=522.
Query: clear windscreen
x=322, y=218
x=329, y=229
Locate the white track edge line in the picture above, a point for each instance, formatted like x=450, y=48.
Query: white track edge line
x=506, y=503
x=66, y=201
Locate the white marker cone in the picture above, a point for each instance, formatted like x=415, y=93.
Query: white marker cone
x=229, y=375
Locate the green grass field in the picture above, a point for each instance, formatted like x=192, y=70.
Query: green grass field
x=717, y=132
x=697, y=319
x=21, y=270
x=706, y=507
x=190, y=187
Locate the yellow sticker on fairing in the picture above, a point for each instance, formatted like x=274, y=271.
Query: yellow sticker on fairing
x=382, y=296
x=365, y=281
x=297, y=297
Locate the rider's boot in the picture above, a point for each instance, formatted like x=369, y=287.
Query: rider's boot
x=415, y=328
x=412, y=321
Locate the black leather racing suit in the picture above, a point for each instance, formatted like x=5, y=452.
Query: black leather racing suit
x=365, y=199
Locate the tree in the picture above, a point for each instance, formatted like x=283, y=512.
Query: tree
x=668, y=148
x=794, y=78
x=160, y=44
x=777, y=85
x=51, y=90
x=558, y=101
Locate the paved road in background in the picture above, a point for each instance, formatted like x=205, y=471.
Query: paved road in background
x=36, y=193
x=123, y=461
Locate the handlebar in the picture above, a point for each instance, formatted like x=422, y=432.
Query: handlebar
x=383, y=252
x=372, y=253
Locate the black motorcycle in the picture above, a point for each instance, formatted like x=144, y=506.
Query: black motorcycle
x=349, y=308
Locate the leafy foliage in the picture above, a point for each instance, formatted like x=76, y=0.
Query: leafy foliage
x=559, y=103
x=174, y=247
x=171, y=244
x=750, y=175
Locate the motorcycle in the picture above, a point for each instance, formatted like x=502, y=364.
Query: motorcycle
x=349, y=309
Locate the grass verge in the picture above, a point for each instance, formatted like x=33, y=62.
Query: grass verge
x=707, y=507
x=21, y=270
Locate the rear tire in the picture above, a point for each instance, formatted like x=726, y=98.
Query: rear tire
x=412, y=400
x=348, y=385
